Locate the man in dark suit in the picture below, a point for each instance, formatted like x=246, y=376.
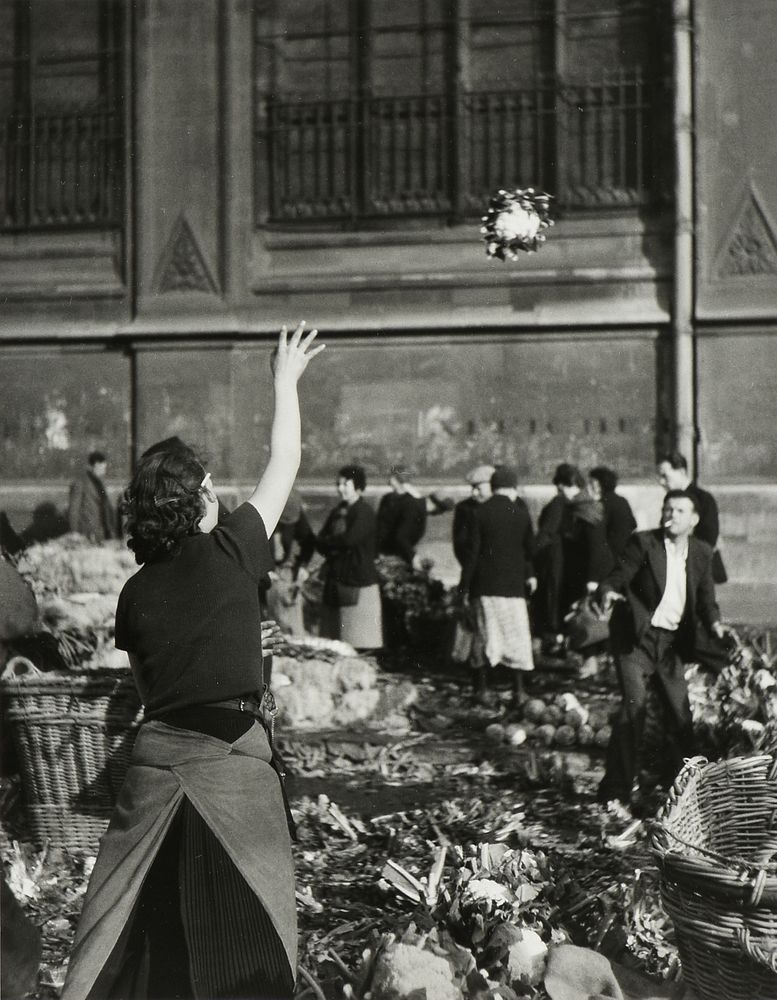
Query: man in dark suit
x=665, y=576
x=90, y=511
x=673, y=474
x=496, y=578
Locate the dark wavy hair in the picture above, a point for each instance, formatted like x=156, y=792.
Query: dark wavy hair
x=163, y=504
x=356, y=474
x=568, y=475
x=606, y=478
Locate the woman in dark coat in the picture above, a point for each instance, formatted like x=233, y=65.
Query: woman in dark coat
x=351, y=608
x=192, y=894
x=497, y=577
x=572, y=554
x=619, y=520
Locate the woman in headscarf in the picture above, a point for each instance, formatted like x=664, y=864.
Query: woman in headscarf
x=351, y=608
x=192, y=894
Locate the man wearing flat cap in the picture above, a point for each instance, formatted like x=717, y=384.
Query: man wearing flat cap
x=496, y=577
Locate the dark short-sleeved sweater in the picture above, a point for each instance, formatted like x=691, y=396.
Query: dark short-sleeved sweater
x=193, y=621
x=401, y=524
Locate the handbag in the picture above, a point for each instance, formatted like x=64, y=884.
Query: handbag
x=586, y=624
x=462, y=642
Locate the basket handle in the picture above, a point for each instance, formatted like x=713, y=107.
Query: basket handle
x=690, y=767
x=759, y=954
x=19, y=667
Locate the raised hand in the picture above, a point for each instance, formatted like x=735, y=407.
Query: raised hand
x=292, y=355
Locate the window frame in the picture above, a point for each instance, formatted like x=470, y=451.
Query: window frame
x=622, y=103
x=65, y=162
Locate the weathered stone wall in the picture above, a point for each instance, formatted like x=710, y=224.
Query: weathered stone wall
x=736, y=240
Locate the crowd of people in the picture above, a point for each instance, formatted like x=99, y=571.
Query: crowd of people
x=193, y=890
x=519, y=587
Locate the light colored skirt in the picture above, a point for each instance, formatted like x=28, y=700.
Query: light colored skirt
x=360, y=625
x=503, y=633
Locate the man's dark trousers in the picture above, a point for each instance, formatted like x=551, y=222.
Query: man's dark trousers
x=654, y=667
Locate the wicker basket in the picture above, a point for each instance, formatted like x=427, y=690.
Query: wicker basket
x=716, y=844
x=73, y=733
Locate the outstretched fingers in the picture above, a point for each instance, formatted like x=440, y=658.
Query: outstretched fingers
x=305, y=346
x=297, y=349
x=297, y=335
x=315, y=351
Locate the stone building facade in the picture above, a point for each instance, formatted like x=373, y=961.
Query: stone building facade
x=180, y=177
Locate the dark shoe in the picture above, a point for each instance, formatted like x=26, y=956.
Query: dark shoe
x=555, y=646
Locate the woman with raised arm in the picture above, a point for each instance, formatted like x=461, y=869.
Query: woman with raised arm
x=192, y=894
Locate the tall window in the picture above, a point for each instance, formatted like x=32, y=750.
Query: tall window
x=375, y=108
x=61, y=159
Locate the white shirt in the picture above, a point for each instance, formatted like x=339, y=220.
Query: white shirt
x=670, y=609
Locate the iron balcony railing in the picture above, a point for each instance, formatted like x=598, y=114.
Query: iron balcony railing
x=589, y=144
x=61, y=170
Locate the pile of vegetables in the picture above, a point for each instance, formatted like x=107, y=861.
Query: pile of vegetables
x=77, y=585
x=735, y=711
x=325, y=684
x=422, y=597
x=557, y=720
x=72, y=565
x=475, y=919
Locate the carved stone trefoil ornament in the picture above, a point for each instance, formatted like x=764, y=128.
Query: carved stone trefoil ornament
x=182, y=266
x=750, y=249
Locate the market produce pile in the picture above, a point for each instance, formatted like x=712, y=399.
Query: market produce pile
x=558, y=720
x=77, y=585
x=422, y=598
x=321, y=684
x=736, y=710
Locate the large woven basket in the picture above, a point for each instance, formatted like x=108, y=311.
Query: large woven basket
x=73, y=733
x=716, y=844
